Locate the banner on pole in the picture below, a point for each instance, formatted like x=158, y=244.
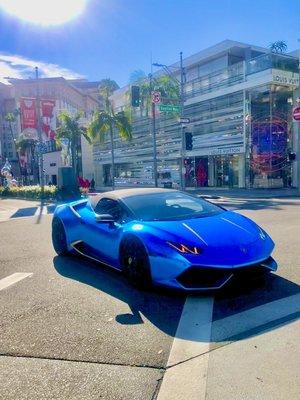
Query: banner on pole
x=28, y=117
x=48, y=119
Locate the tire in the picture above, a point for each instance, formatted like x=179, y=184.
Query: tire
x=59, y=238
x=135, y=263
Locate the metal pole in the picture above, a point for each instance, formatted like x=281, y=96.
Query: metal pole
x=182, y=172
x=39, y=131
x=112, y=157
x=153, y=133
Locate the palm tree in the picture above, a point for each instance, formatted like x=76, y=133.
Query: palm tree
x=105, y=121
x=71, y=130
x=106, y=88
x=168, y=88
x=279, y=46
x=11, y=119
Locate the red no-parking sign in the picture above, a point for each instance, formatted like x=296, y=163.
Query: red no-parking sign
x=156, y=97
x=296, y=114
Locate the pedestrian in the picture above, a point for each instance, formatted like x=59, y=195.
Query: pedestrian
x=92, y=185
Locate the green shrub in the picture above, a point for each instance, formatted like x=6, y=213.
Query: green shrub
x=29, y=192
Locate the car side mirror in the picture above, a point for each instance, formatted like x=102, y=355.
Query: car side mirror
x=104, y=218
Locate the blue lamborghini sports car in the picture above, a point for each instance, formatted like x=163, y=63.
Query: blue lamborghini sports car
x=163, y=237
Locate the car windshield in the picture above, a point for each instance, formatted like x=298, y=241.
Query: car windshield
x=170, y=206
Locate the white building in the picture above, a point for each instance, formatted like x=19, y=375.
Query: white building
x=239, y=99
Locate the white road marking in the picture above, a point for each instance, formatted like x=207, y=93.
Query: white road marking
x=254, y=317
x=14, y=278
x=186, y=374
x=41, y=211
x=185, y=377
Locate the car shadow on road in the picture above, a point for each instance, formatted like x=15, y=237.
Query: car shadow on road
x=162, y=308
x=241, y=310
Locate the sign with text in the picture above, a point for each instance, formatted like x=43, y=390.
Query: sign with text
x=48, y=118
x=156, y=97
x=28, y=114
x=184, y=120
x=285, y=77
x=169, y=108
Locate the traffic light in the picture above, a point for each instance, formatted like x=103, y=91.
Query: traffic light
x=135, y=96
x=188, y=141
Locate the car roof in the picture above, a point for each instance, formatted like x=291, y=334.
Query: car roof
x=124, y=193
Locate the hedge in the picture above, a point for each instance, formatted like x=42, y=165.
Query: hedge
x=29, y=192
x=34, y=192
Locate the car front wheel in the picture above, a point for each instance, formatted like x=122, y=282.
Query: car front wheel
x=135, y=263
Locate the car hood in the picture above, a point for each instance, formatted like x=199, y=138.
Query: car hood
x=226, y=238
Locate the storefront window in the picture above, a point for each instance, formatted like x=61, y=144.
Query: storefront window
x=270, y=138
x=226, y=171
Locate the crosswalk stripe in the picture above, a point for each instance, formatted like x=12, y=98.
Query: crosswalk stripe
x=41, y=211
x=187, y=379
x=14, y=278
x=242, y=322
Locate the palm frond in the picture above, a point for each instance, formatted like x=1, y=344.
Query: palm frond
x=122, y=121
x=99, y=125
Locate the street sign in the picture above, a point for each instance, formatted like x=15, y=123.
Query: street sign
x=156, y=97
x=296, y=114
x=169, y=108
x=184, y=120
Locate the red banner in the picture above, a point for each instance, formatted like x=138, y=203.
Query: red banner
x=28, y=113
x=48, y=119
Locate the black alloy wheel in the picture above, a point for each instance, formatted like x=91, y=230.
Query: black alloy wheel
x=135, y=263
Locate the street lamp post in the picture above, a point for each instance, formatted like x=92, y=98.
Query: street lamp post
x=181, y=85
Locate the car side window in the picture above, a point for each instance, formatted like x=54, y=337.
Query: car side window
x=114, y=208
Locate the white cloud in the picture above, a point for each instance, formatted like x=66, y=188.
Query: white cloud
x=15, y=66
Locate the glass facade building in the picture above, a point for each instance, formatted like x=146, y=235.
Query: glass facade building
x=239, y=100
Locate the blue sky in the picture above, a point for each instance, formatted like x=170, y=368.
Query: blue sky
x=112, y=38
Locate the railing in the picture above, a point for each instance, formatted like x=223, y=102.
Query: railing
x=219, y=79
x=271, y=60
x=236, y=73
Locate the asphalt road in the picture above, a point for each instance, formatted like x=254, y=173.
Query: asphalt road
x=77, y=330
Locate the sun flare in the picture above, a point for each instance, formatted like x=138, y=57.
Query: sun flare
x=44, y=12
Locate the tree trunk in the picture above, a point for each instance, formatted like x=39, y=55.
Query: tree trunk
x=112, y=156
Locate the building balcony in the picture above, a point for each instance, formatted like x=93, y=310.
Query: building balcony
x=272, y=61
x=266, y=69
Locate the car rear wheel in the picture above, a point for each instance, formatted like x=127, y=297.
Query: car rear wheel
x=135, y=263
x=59, y=239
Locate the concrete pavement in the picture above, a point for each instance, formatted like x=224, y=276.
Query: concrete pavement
x=77, y=330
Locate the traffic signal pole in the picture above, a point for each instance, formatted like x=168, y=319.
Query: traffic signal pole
x=153, y=133
x=182, y=149
x=182, y=167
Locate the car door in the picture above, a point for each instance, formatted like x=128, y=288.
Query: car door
x=104, y=238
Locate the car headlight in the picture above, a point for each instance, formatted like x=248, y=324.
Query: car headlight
x=183, y=248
